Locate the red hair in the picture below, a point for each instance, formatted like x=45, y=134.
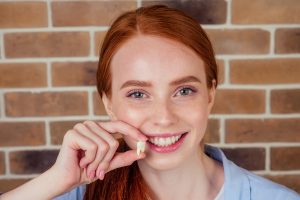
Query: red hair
x=158, y=20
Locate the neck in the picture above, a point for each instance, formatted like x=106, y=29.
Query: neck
x=199, y=177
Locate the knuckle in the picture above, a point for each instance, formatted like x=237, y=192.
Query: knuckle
x=115, y=144
x=93, y=147
x=104, y=148
x=68, y=134
x=78, y=126
x=88, y=122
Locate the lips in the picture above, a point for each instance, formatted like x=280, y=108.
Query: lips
x=167, y=143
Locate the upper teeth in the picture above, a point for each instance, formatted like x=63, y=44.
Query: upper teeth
x=166, y=141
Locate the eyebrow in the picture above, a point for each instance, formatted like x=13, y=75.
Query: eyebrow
x=148, y=84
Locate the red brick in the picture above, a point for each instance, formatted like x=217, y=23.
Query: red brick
x=99, y=37
x=31, y=162
x=270, y=71
x=239, y=101
x=98, y=105
x=74, y=73
x=21, y=104
x=240, y=41
x=46, y=44
x=2, y=163
x=285, y=101
x=287, y=40
x=23, y=14
x=205, y=12
x=22, y=133
x=58, y=129
x=285, y=158
x=16, y=75
x=265, y=12
x=290, y=181
x=248, y=158
x=212, y=134
x=9, y=184
x=88, y=13
x=262, y=130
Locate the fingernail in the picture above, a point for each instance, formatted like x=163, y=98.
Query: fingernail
x=101, y=175
x=92, y=174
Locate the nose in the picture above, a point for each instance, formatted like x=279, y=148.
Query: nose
x=164, y=114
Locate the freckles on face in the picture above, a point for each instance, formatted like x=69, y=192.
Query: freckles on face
x=159, y=104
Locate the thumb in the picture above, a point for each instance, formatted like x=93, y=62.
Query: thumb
x=124, y=159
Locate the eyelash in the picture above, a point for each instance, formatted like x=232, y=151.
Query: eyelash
x=182, y=88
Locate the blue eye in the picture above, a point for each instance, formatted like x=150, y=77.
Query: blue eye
x=136, y=94
x=186, y=91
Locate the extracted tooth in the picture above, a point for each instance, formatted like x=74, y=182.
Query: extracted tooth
x=140, y=147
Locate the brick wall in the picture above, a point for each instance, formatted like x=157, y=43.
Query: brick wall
x=256, y=118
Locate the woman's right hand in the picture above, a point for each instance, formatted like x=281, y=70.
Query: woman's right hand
x=89, y=151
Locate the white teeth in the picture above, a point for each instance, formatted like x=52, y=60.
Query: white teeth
x=162, y=142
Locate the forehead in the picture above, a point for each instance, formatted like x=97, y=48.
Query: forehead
x=154, y=58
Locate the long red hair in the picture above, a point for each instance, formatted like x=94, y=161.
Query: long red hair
x=127, y=183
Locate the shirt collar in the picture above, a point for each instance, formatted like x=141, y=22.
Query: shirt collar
x=236, y=184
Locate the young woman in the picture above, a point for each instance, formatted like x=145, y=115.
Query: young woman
x=157, y=78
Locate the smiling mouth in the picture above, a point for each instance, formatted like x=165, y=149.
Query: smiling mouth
x=165, y=141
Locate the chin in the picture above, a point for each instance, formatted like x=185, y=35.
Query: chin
x=162, y=162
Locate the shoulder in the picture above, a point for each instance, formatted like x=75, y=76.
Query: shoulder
x=262, y=188
x=75, y=194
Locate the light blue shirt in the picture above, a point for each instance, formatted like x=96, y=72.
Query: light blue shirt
x=240, y=184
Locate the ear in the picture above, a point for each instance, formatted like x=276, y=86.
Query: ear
x=211, y=96
x=108, y=106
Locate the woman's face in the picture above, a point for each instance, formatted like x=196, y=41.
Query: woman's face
x=159, y=87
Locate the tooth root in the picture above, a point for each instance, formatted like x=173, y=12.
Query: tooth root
x=140, y=147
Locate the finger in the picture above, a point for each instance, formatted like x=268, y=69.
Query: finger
x=110, y=140
x=124, y=159
x=102, y=148
x=76, y=141
x=123, y=128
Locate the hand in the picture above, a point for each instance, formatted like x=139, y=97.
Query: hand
x=89, y=151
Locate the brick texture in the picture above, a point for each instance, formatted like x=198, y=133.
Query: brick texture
x=248, y=158
x=23, y=14
x=16, y=75
x=212, y=134
x=74, y=74
x=2, y=163
x=245, y=41
x=284, y=158
x=99, y=37
x=30, y=162
x=285, y=101
x=210, y=12
x=89, y=13
x=262, y=130
x=265, y=71
x=287, y=40
x=98, y=105
x=46, y=103
x=48, y=79
x=58, y=129
x=22, y=133
x=239, y=101
x=46, y=44
x=265, y=12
